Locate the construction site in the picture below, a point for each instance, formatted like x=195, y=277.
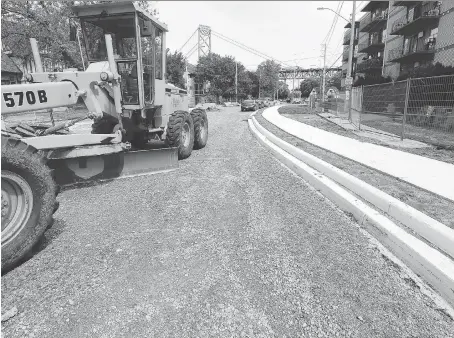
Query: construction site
x=149, y=191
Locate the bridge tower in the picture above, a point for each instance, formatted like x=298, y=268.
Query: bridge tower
x=204, y=41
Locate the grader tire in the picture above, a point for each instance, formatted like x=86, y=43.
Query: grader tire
x=180, y=133
x=28, y=200
x=200, y=119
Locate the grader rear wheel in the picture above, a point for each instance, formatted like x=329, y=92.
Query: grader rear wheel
x=180, y=133
x=28, y=200
x=200, y=128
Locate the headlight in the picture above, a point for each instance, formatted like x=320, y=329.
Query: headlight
x=106, y=76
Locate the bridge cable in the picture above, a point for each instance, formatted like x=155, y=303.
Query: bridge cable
x=188, y=40
x=250, y=48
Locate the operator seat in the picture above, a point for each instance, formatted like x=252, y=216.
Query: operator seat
x=132, y=84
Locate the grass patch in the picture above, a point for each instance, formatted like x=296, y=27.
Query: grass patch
x=424, y=201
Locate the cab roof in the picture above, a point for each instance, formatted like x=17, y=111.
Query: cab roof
x=115, y=8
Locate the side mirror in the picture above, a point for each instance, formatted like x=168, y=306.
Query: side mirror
x=72, y=33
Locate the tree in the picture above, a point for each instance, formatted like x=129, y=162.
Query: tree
x=335, y=81
x=175, y=68
x=219, y=72
x=253, y=86
x=307, y=85
x=283, y=91
x=48, y=22
x=268, y=72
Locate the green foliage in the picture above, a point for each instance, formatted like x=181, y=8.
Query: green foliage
x=371, y=80
x=427, y=71
x=269, y=77
x=251, y=85
x=334, y=81
x=219, y=72
x=175, y=68
x=283, y=91
x=307, y=85
x=48, y=22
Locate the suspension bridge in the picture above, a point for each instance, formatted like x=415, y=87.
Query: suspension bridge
x=203, y=35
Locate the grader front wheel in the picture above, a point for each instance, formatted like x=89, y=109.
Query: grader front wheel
x=28, y=200
x=180, y=133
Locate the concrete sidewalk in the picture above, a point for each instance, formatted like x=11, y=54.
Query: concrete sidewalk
x=431, y=175
x=379, y=135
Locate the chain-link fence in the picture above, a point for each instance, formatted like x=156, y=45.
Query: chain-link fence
x=383, y=105
x=421, y=109
x=334, y=105
x=431, y=103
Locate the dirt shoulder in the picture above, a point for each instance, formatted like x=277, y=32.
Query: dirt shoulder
x=304, y=115
x=426, y=202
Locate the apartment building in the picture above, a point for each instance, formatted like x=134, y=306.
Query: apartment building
x=395, y=37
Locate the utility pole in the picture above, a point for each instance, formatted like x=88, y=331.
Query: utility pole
x=236, y=81
x=324, y=72
x=260, y=75
x=350, y=64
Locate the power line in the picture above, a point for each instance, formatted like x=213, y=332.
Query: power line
x=337, y=19
x=332, y=24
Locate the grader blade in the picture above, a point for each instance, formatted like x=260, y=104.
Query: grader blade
x=102, y=163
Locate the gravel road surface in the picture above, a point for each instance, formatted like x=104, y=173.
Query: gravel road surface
x=230, y=245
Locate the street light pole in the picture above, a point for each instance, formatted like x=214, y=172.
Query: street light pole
x=350, y=56
x=350, y=63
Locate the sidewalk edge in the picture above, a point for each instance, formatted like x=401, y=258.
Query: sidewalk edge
x=433, y=231
x=436, y=269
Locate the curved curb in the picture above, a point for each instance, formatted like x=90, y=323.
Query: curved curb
x=444, y=189
x=433, y=231
x=436, y=269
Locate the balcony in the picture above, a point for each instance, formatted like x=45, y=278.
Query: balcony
x=350, y=24
x=421, y=50
x=370, y=65
x=345, y=55
x=424, y=16
x=373, y=5
x=347, y=37
x=374, y=22
x=375, y=44
x=407, y=3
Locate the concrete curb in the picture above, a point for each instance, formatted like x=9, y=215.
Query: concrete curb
x=377, y=157
x=433, y=266
x=430, y=229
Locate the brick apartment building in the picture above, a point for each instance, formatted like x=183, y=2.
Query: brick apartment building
x=394, y=37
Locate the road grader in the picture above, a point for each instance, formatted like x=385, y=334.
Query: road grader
x=140, y=123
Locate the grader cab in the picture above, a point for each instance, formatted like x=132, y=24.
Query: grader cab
x=140, y=124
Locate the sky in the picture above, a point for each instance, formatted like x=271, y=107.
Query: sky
x=289, y=31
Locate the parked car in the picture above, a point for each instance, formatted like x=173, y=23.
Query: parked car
x=249, y=105
x=260, y=103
